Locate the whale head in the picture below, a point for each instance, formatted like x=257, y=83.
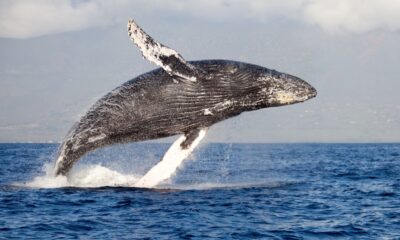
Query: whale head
x=283, y=89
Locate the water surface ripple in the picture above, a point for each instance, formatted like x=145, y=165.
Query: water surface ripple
x=225, y=191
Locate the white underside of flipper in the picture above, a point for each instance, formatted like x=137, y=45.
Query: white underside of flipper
x=167, y=58
x=170, y=162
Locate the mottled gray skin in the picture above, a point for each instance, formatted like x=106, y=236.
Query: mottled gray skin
x=156, y=105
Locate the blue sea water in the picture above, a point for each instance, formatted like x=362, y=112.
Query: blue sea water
x=224, y=191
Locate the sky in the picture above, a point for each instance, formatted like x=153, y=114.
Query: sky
x=58, y=57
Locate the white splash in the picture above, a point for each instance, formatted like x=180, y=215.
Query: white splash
x=92, y=176
x=48, y=180
x=89, y=176
x=172, y=159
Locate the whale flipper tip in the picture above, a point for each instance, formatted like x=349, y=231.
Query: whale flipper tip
x=168, y=59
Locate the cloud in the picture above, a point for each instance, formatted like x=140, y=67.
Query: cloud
x=25, y=18
x=354, y=15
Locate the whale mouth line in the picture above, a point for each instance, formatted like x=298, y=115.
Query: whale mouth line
x=309, y=96
x=314, y=94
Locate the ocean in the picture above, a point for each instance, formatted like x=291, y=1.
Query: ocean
x=223, y=191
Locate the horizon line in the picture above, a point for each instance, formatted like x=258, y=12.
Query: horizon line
x=219, y=142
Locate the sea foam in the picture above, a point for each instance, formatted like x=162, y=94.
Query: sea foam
x=84, y=176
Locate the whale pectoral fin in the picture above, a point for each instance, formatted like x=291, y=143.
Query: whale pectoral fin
x=190, y=137
x=172, y=159
x=170, y=60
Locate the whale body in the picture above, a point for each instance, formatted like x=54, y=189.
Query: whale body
x=179, y=98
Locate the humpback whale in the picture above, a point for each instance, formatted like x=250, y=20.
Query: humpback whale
x=179, y=98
